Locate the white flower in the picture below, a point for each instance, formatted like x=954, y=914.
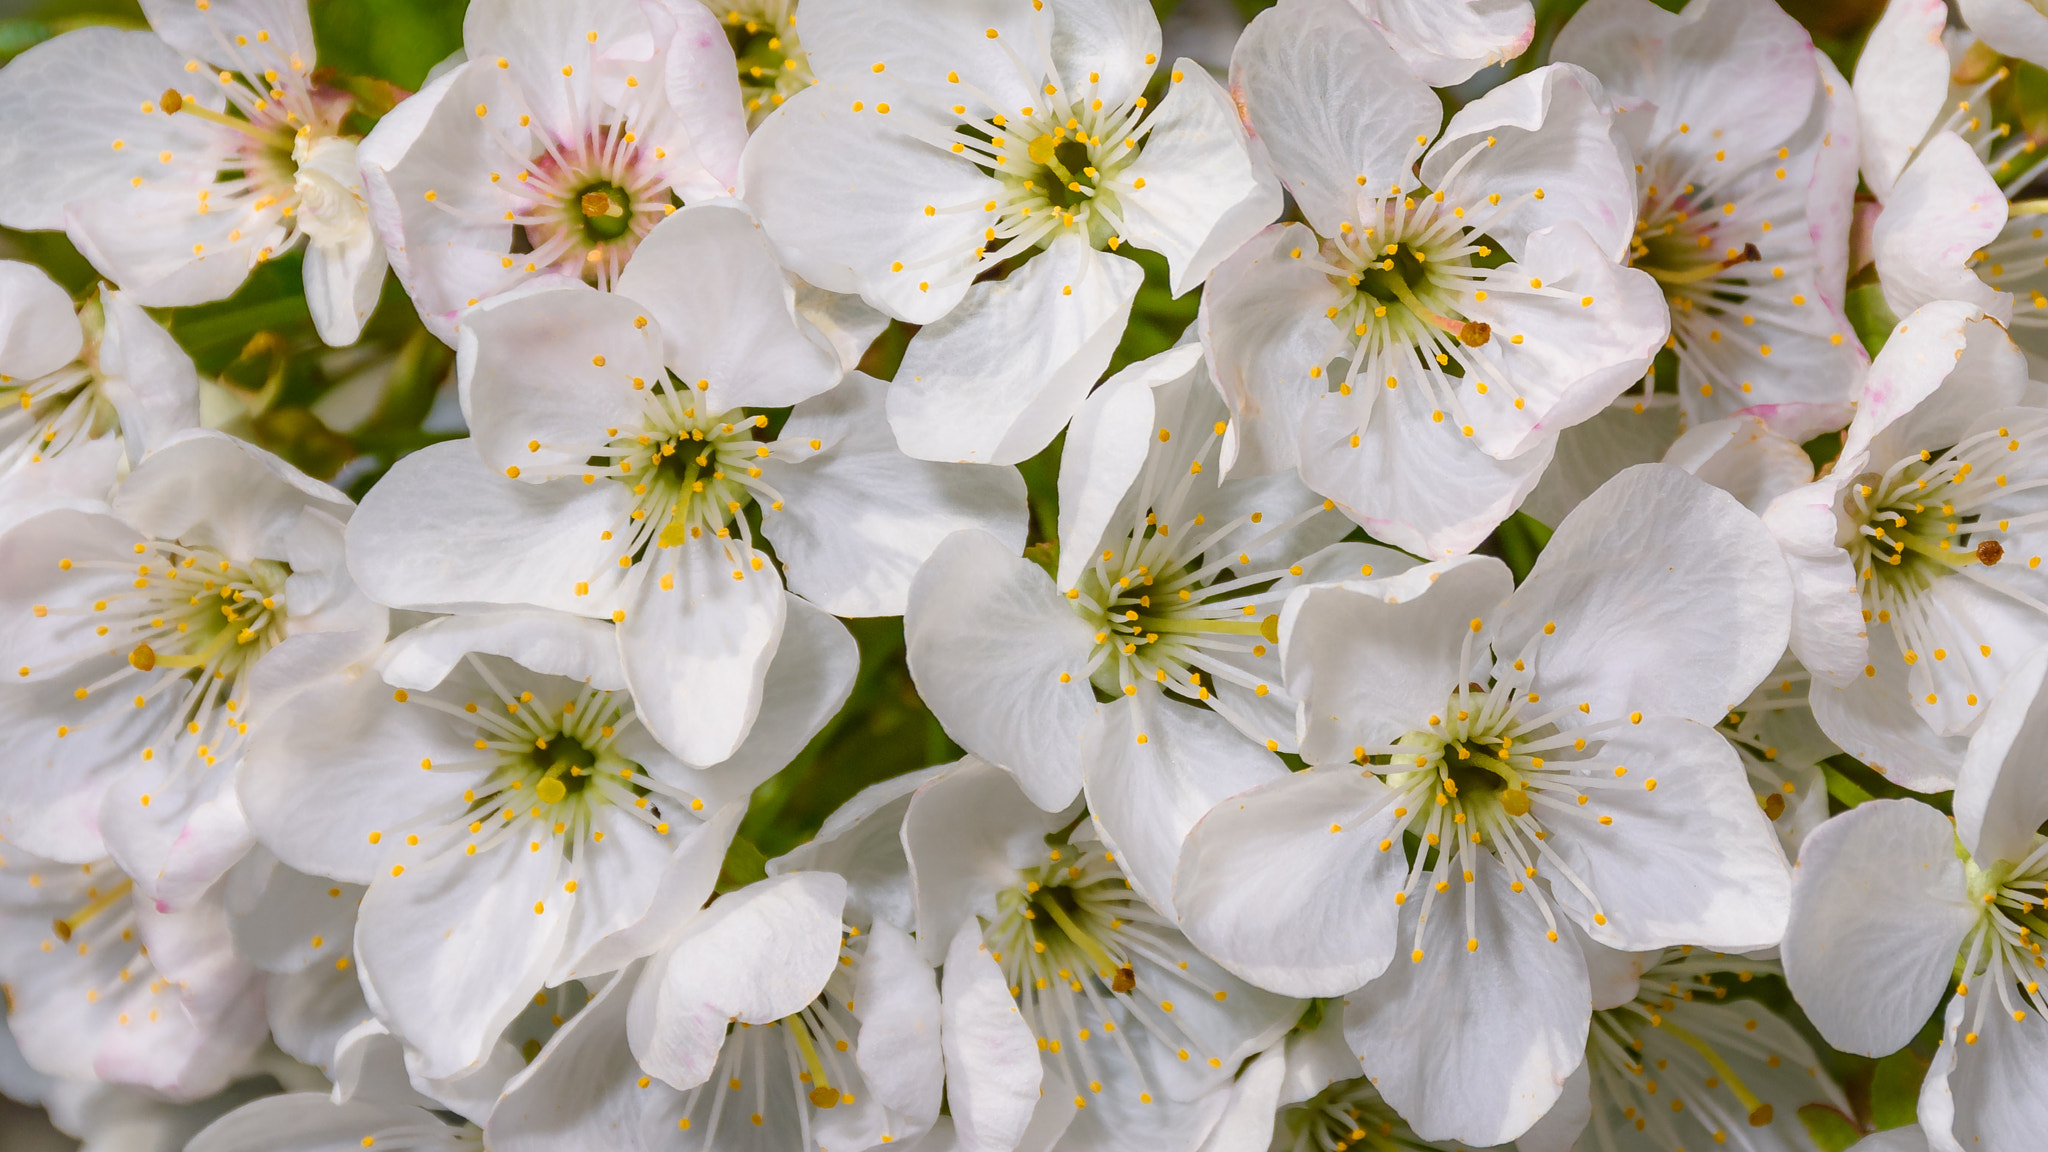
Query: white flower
x=1446, y=44
x=74, y=373
x=744, y=1032
x=1741, y=455
x=202, y=150
x=668, y=395
x=1916, y=559
x=1672, y=1063
x=1384, y=347
x=571, y=130
x=385, y=1115
x=515, y=822
x=1168, y=589
x=1945, y=165
x=1745, y=146
x=772, y=65
x=1560, y=732
x=943, y=140
x=103, y=985
x=1891, y=901
x=1070, y=1006
x=146, y=633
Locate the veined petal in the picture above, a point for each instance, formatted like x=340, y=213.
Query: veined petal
x=1902, y=88
x=2001, y=794
x=966, y=837
x=1002, y=662
x=1873, y=719
x=858, y=517
x=992, y=1067
x=1879, y=908
x=1980, y=1094
x=1305, y=849
x=1332, y=102
x=281, y=30
x=1944, y=209
x=148, y=377
x=1447, y=44
x=2011, y=26
x=1057, y=319
x=1474, y=1043
x=39, y=329
x=1145, y=796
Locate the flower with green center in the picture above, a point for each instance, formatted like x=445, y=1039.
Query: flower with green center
x=139, y=652
x=1069, y=1004
x=549, y=156
x=1014, y=138
x=1917, y=557
x=494, y=785
x=623, y=468
x=1894, y=903
x=1487, y=757
x=1453, y=300
x=1151, y=659
x=102, y=987
x=208, y=149
x=71, y=374
x=1746, y=162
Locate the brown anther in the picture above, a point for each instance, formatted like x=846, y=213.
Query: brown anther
x=1750, y=255
x=825, y=1097
x=170, y=101
x=62, y=929
x=143, y=658
x=1990, y=552
x=1475, y=334
x=1126, y=979
x=1774, y=805
x=598, y=203
x=1761, y=1116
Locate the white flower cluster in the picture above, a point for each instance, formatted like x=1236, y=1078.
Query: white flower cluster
x=1289, y=819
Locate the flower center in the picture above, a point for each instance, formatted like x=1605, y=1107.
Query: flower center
x=771, y=62
x=584, y=204
x=1078, y=946
x=1417, y=269
x=1671, y=1085
x=2003, y=949
x=193, y=621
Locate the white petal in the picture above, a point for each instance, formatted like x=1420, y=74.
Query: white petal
x=992, y=1066
x=702, y=81
x=898, y=1049
x=2001, y=796
x=1648, y=619
x=1544, y=131
x=863, y=841
x=1413, y=481
x=282, y=28
x=1474, y=1044
x=550, y=643
x=275, y=910
x=2012, y=27
x=1594, y=452
x=1744, y=458
x=1204, y=193
x=150, y=241
x=696, y=653
x=1302, y=850
x=1331, y=102
x=55, y=157
x=1447, y=44
x=452, y=949
x=1117, y=40
x=1828, y=633
x=1944, y=209
x=581, y=1090
x=1559, y=1129
x=1689, y=858
x=685, y=883
x=1879, y=908
x=1145, y=797
x=310, y=1122
x=967, y=833
x=1370, y=660
x=1105, y=450
x=342, y=282
x=1902, y=88
x=726, y=311
x=1263, y=324
x=809, y=678
x=1982, y=1095
x=754, y=956
x=847, y=231
x=1055, y=321
x=859, y=516
x=149, y=378
x=39, y=329
x=538, y=38
x=203, y=486
x=441, y=531
x=189, y=834
x=1001, y=661
x=1872, y=717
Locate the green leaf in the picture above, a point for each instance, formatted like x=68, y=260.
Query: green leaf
x=744, y=864
x=1870, y=316
x=1831, y=1131
x=1895, y=1090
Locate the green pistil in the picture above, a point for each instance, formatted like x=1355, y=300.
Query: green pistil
x=604, y=210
